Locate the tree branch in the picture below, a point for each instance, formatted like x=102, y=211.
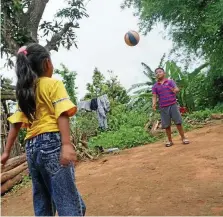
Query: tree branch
x=5, y=106
x=12, y=45
x=53, y=43
x=34, y=15
x=8, y=97
x=8, y=86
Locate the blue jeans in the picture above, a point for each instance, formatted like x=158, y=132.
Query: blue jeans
x=54, y=186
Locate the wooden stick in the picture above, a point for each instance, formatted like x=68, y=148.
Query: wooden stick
x=12, y=182
x=155, y=125
x=14, y=162
x=217, y=116
x=12, y=173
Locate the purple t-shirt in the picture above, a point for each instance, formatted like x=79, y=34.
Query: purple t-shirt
x=164, y=92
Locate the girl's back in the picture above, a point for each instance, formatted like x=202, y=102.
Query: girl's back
x=44, y=109
x=51, y=101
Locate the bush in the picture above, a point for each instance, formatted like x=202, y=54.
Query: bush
x=127, y=127
x=200, y=115
x=125, y=137
x=218, y=108
x=85, y=122
x=205, y=114
x=120, y=116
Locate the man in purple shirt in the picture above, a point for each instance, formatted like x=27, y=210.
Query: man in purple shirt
x=166, y=91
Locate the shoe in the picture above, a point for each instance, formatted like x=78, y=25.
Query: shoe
x=169, y=144
x=185, y=141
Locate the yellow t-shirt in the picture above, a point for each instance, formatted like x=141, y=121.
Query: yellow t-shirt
x=51, y=101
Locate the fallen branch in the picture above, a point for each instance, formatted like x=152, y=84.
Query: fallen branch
x=155, y=126
x=84, y=143
x=12, y=182
x=217, y=116
x=12, y=173
x=86, y=152
x=81, y=146
x=14, y=162
x=147, y=125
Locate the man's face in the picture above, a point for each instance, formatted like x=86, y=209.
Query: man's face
x=160, y=74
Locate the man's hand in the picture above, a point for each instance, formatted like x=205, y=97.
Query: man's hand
x=4, y=158
x=67, y=155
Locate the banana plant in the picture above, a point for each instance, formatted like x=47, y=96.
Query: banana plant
x=182, y=79
x=146, y=86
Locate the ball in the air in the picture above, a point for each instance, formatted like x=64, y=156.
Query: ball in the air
x=132, y=38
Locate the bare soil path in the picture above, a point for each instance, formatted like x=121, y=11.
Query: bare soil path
x=148, y=180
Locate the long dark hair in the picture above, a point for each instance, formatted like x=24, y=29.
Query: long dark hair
x=29, y=66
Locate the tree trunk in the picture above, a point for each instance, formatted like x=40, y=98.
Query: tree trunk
x=34, y=15
x=14, y=162
x=12, y=173
x=12, y=182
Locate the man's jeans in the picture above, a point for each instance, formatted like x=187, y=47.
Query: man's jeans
x=54, y=186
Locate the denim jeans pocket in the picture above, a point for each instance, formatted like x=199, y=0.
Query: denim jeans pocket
x=51, y=160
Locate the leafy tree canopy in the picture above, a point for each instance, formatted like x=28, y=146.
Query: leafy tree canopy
x=112, y=87
x=21, y=23
x=69, y=79
x=194, y=25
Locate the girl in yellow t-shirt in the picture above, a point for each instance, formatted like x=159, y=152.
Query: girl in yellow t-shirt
x=44, y=109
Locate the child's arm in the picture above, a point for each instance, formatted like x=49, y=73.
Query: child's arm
x=174, y=87
x=154, y=99
x=64, y=109
x=64, y=127
x=68, y=154
x=13, y=133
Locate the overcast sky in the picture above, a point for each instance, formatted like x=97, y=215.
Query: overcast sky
x=101, y=44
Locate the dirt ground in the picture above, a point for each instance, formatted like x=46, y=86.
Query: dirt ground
x=148, y=180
